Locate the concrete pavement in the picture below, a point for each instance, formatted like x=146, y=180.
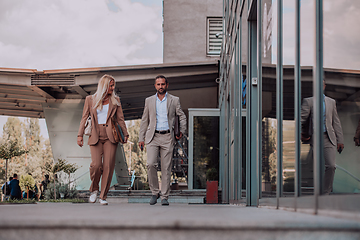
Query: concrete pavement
x=177, y=221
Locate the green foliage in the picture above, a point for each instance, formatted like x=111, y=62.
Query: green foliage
x=25, y=136
x=27, y=182
x=22, y=201
x=55, y=167
x=212, y=174
x=138, y=157
x=70, y=168
x=10, y=148
x=73, y=200
x=69, y=192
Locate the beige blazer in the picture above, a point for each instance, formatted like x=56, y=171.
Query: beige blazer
x=148, y=120
x=333, y=125
x=89, y=110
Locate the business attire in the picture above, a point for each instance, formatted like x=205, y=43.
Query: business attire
x=332, y=132
x=357, y=135
x=157, y=132
x=102, y=143
x=15, y=190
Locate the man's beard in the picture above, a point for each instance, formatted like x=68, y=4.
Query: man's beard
x=163, y=91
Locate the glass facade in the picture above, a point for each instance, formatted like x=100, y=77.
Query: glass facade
x=289, y=105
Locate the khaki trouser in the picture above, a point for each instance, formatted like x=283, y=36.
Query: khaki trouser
x=102, y=163
x=329, y=159
x=163, y=144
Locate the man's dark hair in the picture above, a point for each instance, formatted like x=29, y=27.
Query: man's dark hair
x=15, y=175
x=47, y=176
x=10, y=178
x=161, y=76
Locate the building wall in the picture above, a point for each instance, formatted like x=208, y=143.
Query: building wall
x=185, y=29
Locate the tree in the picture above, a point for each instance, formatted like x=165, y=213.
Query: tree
x=32, y=137
x=27, y=135
x=27, y=182
x=8, y=150
x=55, y=168
x=138, y=157
x=70, y=168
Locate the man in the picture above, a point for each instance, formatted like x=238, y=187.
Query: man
x=157, y=132
x=15, y=191
x=357, y=135
x=332, y=133
x=6, y=189
x=43, y=186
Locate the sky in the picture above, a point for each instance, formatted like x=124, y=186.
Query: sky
x=63, y=34
x=341, y=33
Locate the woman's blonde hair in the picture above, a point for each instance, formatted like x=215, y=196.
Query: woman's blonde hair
x=102, y=90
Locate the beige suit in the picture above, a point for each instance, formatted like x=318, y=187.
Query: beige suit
x=102, y=145
x=160, y=143
x=332, y=136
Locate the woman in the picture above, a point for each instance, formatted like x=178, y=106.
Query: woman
x=102, y=106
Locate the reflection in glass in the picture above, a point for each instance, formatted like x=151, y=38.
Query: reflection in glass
x=206, y=148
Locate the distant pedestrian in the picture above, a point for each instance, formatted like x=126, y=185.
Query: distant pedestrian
x=43, y=185
x=15, y=190
x=6, y=189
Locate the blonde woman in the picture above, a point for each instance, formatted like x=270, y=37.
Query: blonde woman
x=102, y=106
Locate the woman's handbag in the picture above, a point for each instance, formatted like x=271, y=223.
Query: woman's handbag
x=87, y=130
x=117, y=131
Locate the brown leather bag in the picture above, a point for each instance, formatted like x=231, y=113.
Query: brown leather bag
x=117, y=131
x=177, y=126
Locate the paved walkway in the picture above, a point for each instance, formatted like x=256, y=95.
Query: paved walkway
x=177, y=221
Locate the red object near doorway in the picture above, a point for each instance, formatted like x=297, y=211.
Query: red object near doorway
x=212, y=192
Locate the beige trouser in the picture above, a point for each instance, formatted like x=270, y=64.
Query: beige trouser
x=102, y=163
x=163, y=144
x=330, y=166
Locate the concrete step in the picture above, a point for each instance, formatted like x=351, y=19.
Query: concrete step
x=177, y=222
x=143, y=196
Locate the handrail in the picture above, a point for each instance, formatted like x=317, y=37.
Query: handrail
x=346, y=171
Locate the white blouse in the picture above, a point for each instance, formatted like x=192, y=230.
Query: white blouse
x=102, y=114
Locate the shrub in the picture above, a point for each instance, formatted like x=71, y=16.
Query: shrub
x=60, y=188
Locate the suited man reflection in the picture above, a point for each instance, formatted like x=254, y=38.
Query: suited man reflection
x=157, y=132
x=332, y=132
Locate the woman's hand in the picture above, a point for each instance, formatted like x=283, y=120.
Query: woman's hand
x=80, y=141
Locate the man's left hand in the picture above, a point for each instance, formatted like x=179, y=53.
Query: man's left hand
x=125, y=139
x=179, y=137
x=340, y=147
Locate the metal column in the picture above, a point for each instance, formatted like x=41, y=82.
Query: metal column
x=318, y=105
x=279, y=101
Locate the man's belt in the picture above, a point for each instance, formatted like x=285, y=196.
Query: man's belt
x=162, y=132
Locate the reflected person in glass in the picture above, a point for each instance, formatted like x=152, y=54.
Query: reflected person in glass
x=332, y=132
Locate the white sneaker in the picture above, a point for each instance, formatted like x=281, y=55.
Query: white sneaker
x=93, y=196
x=103, y=202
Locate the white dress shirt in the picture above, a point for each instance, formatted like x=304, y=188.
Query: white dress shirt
x=161, y=114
